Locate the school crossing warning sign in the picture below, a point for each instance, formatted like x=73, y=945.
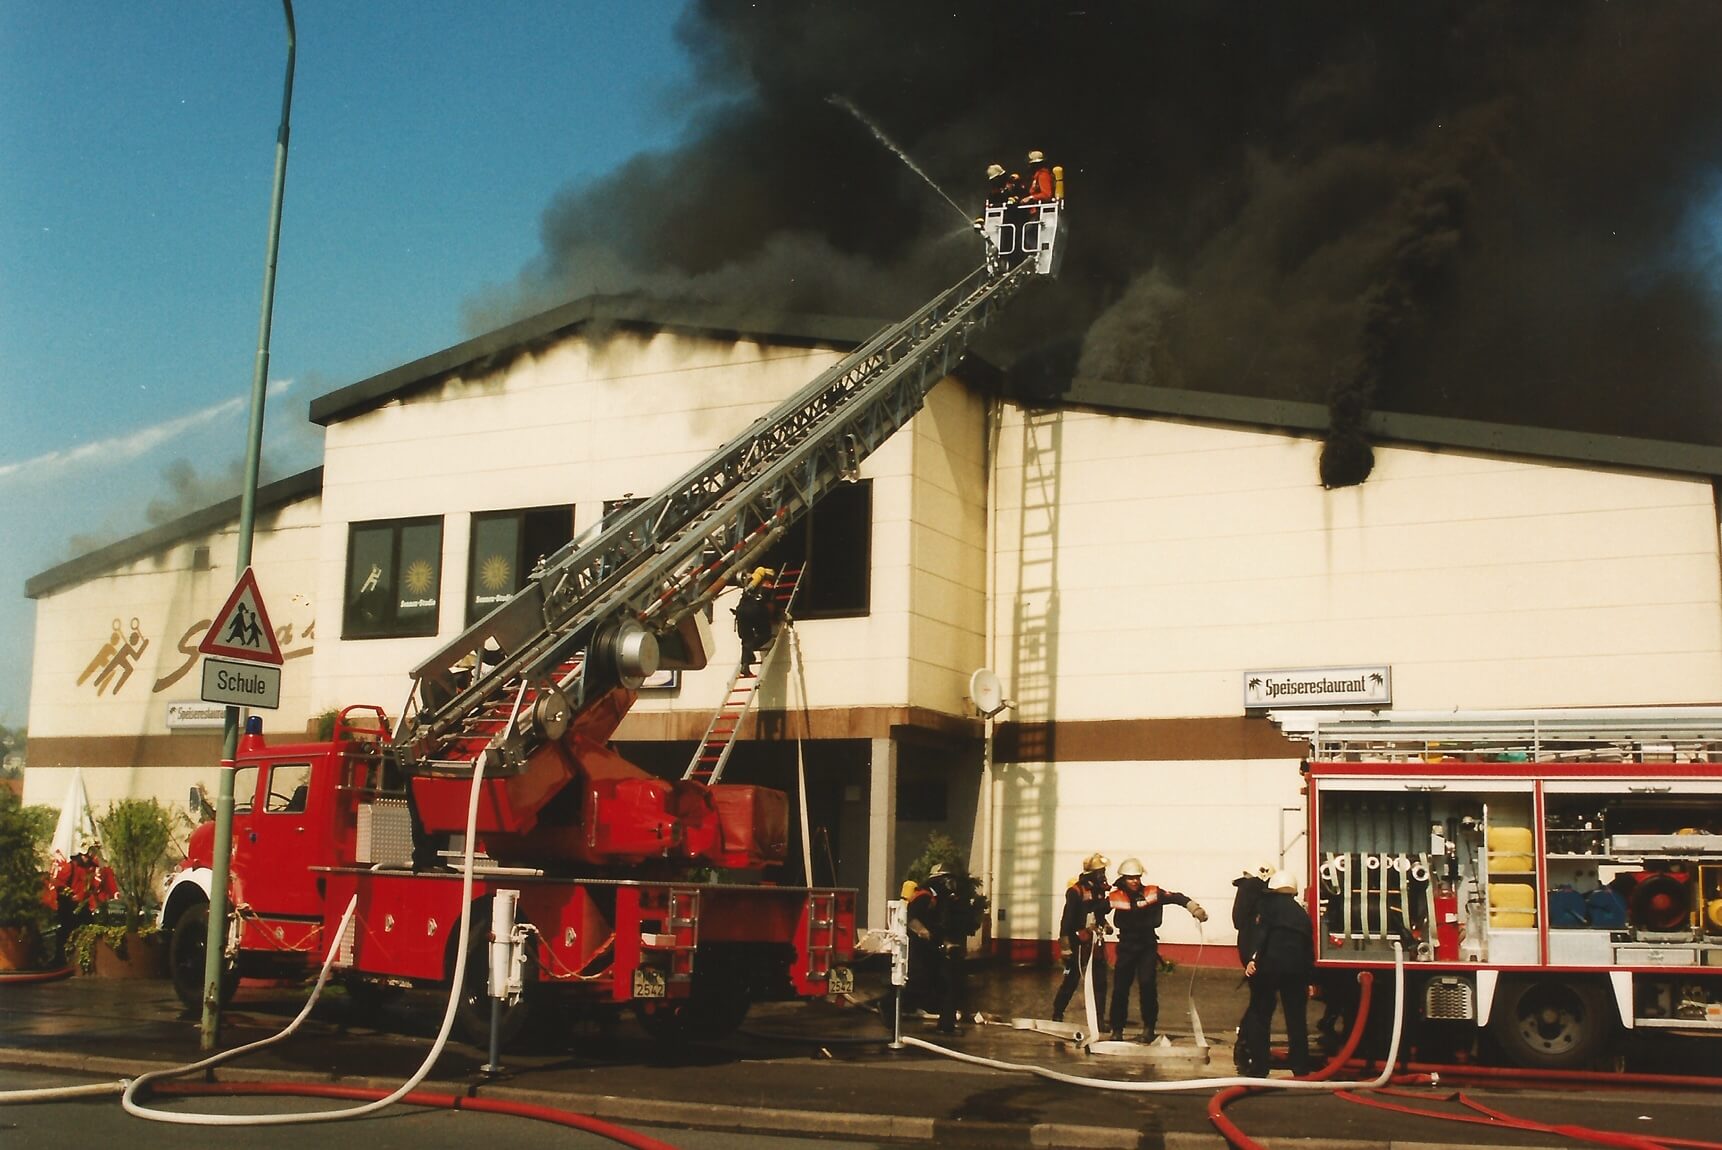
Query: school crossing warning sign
x=241, y=629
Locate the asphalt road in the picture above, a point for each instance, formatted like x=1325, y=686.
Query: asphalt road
x=102, y=1122
x=810, y=1073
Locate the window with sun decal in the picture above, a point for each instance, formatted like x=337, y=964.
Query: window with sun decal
x=505, y=547
x=394, y=578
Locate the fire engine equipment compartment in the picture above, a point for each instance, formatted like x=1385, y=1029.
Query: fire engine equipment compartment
x=1450, y=877
x=1551, y=875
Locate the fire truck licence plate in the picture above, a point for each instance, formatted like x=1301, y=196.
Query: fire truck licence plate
x=841, y=981
x=648, y=983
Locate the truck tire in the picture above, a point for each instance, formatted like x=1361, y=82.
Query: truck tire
x=1550, y=1024
x=185, y=957
x=472, y=1013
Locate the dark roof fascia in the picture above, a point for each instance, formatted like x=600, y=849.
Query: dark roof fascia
x=1394, y=427
x=104, y=559
x=720, y=321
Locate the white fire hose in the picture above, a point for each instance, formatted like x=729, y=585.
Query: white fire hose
x=128, y=1088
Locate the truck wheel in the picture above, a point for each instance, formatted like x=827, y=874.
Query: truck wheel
x=472, y=1014
x=185, y=957
x=1551, y=1025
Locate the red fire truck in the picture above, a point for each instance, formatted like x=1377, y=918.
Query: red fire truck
x=633, y=889
x=1555, y=877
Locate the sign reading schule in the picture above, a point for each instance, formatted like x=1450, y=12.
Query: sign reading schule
x=1319, y=687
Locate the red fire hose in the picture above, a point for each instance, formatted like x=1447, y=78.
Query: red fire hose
x=21, y=977
x=1421, y=1073
x=1218, y=1103
x=598, y=1126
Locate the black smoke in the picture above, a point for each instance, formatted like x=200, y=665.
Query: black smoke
x=1495, y=210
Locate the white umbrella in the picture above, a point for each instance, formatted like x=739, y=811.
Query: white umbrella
x=77, y=827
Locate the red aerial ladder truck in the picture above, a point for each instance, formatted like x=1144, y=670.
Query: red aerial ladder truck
x=632, y=889
x=1555, y=877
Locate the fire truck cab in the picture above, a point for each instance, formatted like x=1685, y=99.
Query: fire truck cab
x=1553, y=876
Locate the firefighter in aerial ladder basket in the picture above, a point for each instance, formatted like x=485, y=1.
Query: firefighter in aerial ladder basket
x=1043, y=180
x=1003, y=188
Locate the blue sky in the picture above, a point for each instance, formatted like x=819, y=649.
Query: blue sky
x=139, y=145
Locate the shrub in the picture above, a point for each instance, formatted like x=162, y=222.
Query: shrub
x=22, y=879
x=135, y=835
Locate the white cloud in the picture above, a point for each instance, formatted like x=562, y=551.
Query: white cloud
x=120, y=449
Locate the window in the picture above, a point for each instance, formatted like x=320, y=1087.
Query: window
x=244, y=788
x=505, y=547
x=394, y=578
x=289, y=784
x=836, y=539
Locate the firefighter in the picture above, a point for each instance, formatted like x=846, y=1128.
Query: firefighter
x=1040, y=187
x=1137, y=909
x=753, y=622
x=1282, y=956
x=1249, y=888
x=944, y=912
x=1080, y=932
x=1003, y=187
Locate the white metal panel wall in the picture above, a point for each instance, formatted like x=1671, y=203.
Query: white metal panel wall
x=1185, y=555
x=1195, y=825
x=1143, y=565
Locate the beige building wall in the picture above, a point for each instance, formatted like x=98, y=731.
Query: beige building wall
x=113, y=652
x=1143, y=566
x=582, y=423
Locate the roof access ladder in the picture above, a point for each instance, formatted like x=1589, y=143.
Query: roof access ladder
x=639, y=575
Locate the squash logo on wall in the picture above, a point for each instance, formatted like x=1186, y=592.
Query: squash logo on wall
x=113, y=664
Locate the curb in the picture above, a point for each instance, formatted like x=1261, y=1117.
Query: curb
x=766, y=1120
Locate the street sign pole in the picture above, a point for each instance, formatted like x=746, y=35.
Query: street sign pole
x=216, y=940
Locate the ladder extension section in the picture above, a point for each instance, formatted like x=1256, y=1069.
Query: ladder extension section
x=719, y=740
x=1595, y=734
x=670, y=554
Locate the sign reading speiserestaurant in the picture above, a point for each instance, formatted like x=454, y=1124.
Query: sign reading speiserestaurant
x=1370, y=686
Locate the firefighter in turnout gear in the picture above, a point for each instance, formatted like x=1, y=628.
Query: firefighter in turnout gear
x=944, y=911
x=1081, y=932
x=1282, y=957
x=753, y=614
x=1136, y=913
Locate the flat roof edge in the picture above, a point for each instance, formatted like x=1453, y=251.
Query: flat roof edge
x=767, y=325
x=270, y=496
x=1397, y=427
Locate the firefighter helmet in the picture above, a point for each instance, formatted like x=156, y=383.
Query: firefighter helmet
x=1130, y=868
x=937, y=870
x=994, y=171
x=1095, y=861
x=1283, y=882
x=1037, y=157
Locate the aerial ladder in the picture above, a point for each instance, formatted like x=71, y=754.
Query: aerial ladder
x=560, y=660
x=719, y=740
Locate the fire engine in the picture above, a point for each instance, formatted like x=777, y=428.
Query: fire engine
x=1555, y=877
x=631, y=889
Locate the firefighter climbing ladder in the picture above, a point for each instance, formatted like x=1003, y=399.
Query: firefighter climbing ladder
x=649, y=568
x=708, y=762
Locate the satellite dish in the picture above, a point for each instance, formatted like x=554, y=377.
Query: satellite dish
x=987, y=692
